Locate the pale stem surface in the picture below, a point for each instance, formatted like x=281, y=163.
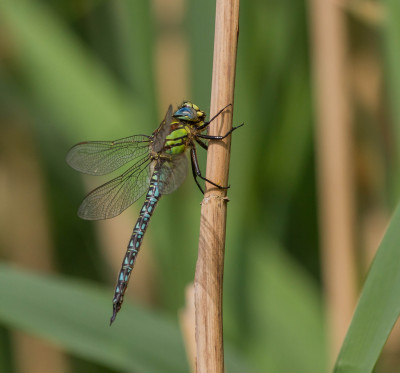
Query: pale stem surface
x=210, y=262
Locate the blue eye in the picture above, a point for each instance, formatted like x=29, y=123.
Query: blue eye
x=186, y=113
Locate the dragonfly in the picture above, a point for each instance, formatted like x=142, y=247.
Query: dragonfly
x=159, y=167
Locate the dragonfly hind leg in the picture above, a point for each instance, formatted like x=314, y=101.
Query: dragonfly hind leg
x=197, y=173
x=201, y=143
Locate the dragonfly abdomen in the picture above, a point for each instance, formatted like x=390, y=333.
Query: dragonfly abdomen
x=152, y=197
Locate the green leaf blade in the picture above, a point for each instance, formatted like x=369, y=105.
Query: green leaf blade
x=76, y=316
x=378, y=307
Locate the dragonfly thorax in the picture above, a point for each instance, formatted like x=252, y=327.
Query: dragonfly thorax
x=176, y=141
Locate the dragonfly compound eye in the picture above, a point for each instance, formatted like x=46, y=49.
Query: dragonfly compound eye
x=186, y=113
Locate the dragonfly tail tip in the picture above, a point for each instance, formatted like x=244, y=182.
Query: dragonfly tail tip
x=112, y=318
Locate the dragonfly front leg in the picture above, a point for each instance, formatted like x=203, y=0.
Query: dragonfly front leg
x=207, y=123
x=197, y=173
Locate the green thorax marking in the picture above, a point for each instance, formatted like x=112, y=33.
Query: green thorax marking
x=176, y=141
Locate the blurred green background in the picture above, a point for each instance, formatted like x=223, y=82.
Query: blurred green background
x=78, y=70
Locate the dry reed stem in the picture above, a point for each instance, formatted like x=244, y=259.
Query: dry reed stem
x=334, y=166
x=210, y=262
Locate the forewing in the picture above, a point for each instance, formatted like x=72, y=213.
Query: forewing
x=112, y=198
x=162, y=132
x=103, y=157
x=173, y=173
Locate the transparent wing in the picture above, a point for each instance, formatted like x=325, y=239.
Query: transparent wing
x=160, y=134
x=103, y=157
x=110, y=199
x=173, y=173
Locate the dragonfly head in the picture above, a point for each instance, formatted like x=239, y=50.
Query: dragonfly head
x=190, y=112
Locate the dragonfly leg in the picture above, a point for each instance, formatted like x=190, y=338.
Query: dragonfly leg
x=197, y=173
x=206, y=124
x=201, y=143
x=219, y=137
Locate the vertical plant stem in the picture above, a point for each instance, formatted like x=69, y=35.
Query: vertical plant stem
x=210, y=262
x=334, y=166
